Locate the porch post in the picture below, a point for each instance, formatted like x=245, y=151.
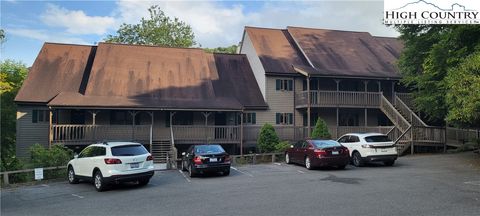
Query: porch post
x=336, y=133
x=379, y=86
x=308, y=107
x=133, y=113
x=241, y=133
x=393, y=89
x=94, y=115
x=206, y=114
x=50, y=127
x=338, y=109
x=151, y=131
x=365, y=83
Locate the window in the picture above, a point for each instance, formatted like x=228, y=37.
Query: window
x=354, y=139
x=377, y=139
x=344, y=139
x=120, y=117
x=129, y=150
x=284, y=118
x=40, y=116
x=87, y=152
x=284, y=85
x=99, y=151
x=326, y=143
x=249, y=118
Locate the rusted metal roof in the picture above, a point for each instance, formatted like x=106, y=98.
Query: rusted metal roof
x=58, y=68
x=276, y=49
x=327, y=52
x=134, y=76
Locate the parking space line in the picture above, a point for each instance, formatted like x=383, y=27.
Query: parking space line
x=75, y=195
x=473, y=182
x=279, y=164
x=245, y=173
x=300, y=171
x=183, y=174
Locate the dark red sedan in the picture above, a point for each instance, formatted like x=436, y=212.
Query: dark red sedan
x=318, y=153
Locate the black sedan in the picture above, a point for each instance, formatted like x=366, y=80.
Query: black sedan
x=199, y=159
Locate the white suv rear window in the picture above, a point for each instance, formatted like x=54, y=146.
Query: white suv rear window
x=377, y=139
x=129, y=150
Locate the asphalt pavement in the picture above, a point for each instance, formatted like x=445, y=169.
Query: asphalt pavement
x=416, y=185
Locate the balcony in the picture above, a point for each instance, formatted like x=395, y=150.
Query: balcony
x=347, y=99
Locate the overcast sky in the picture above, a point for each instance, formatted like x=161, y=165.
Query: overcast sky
x=28, y=24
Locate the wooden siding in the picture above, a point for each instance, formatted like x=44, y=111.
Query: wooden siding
x=29, y=133
x=257, y=67
x=278, y=101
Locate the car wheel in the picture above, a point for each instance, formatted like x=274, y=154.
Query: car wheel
x=98, y=181
x=226, y=172
x=71, y=176
x=357, y=159
x=191, y=173
x=287, y=159
x=389, y=163
x=143, y=182
x=308, y=163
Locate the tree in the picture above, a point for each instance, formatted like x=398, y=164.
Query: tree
x=321, y=130
x=267, y=139
x=159, y=29
x=430, y=52
x=12, y=76
x=230, y=49
x=2, y=36
x=463, y=96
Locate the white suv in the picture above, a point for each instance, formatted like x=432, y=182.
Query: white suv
x=111, y=162
x=366, y=147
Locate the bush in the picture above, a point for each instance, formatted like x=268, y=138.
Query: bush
x=321, y=130
x=282, y=146
x=57, y=155
x=267, y=139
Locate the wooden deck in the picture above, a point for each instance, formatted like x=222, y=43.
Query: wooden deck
x=347, y=99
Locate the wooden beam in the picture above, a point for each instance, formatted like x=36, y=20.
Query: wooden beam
x=308, y=107
x=50, y=127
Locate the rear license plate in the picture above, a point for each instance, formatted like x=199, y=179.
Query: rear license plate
x=334, y=152
x=134, y=165
x=213, y=160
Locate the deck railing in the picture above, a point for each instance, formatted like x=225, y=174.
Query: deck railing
x=208, y=134
x=85, y=134
x=405, y=97
x=407, y=112
x=339, y=98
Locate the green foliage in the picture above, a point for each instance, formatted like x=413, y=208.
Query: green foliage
x=57, y=155
x=430, y=52
x=2, y=36
x=12, y=75
x=267, y=139
x=463, y=96
x=321, y=130
x=282, y=146
x=230, y=49
x=159, y=29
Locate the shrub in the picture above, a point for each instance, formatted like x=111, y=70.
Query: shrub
x=282, y=146
x=57, y=155
x=267, y=139
x=321, y=130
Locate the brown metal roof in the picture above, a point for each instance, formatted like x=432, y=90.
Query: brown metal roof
x=58, y=68
x=276, y=49
x=330, y=52
x=133, y=76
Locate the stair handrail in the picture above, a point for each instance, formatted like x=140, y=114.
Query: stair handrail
x=412, y=114
x=403, y=134
x=404, y=124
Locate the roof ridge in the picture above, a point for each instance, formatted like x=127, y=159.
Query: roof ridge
x=255, y=27
x=67, y=44
x=338, y=30
x=155, y=46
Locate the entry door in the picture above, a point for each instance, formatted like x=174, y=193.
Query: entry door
x=221, y=119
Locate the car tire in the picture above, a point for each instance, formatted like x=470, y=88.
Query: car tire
x=389, y=163
x=308, y=163
x=287, y=159
x=143, y=182
x=226, y=172
x=98, y=182
x=357, y=159
x=191, y=173
x=342, y=167
x=71, y=176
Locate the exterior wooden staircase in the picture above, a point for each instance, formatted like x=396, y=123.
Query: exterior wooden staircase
x=160, y=150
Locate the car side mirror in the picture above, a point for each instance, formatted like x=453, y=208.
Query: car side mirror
x=75, y=156
x=183, y=153
x=291, y=146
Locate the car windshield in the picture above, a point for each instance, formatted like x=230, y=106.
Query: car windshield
x=128, y=150
x=203, y=149
x=377, y=139
x=325, y=143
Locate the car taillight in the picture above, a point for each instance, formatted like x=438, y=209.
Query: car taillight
x=197, y=160
x=319, y=152
x=149, y=158
x=112, y=161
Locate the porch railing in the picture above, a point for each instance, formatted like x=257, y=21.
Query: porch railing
x=339, y=98
x=206, y=134
x=85, y=134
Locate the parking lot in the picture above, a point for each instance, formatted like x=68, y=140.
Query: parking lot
x=416, y=185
